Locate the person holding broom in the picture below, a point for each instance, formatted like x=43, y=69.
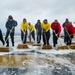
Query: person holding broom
x=70, y=30
x=32, y=32
x=10, y=26
x=46, y=31
x=38, y=30
x=56, y=28
x=65, y=34
x=23, y=28
x=1, y=37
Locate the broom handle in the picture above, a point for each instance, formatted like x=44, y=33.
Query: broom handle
x=29, y=36
x=23, y=37
x=10, y=33
x=45, y=38
x=67, y=33
x=58, y=38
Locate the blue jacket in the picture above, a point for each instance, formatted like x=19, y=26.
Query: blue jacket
x=10, y=24
x=38, y=26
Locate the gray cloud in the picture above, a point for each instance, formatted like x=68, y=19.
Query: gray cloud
x=36, y=9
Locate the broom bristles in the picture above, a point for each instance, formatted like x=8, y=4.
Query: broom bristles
x=22, y=46
x=62, y=47
x=72, y=46
x=47, y=47
x=4, y=49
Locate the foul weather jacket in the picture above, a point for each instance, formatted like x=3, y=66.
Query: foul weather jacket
x=56, y=26
x=10, y=24
x=24, y=26
x=45, y=27
x=31, y=28
x=70, y=29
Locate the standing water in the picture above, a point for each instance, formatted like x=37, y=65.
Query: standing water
x=35, y=61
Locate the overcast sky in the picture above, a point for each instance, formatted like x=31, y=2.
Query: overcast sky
x=36, y=9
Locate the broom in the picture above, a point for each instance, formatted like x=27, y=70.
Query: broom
x=72, y=46
x=60, y=47
x=46, y=46
x=22, y=46
x=6, y=49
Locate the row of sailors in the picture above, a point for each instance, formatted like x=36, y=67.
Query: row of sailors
x=41, y=29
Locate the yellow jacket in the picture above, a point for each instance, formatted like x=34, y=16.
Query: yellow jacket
x=31, y=28
x=24, y=26
x=46, y=27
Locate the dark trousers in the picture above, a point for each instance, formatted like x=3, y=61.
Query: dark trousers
x=39, y=37
x=1, y=38
x=68, y=39
x=65, y=36
x=46, y=37
x=55, y=38
x=24, y=36
x=11, y=36
x=33, y=35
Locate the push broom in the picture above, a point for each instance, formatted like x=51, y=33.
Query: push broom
x=22, y=46
x=72, y=46
x=46, y=46
x=6, y=49
x=61, y=46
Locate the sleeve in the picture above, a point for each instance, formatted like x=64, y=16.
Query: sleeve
x=7, y=26
x=59, y=28
x=52, y=26
x=15, y=23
